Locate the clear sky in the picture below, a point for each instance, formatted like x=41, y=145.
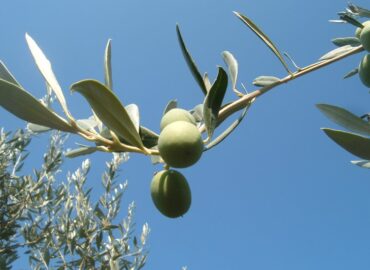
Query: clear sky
x=277, y=194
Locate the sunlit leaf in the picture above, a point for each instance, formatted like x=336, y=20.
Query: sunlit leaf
x=80, y=152
x=351, y=73
x=232, y=65
x=109, y=110
x=206, y=81
x=108, y=65
x=23, y=105
x=229, y=130
x=352, y=41
x=248, y=22
x=336, y=52
x=345, y=118
x=362, y=163
x=6, y=75
x=189, y=60
x=37, y=128
x=353, y=143
x=172, y=104
x=133, y=112
x=87, y=124
x=213, y=101
x=360, y=11
x=45, y=68
x=265, y=80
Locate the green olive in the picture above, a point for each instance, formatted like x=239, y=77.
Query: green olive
x=358, y=29
x=180, y=144
x=364, y=70
x=365, y=37
x=177, y=114
x=171, y=193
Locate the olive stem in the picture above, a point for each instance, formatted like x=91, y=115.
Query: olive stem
x=242, y=102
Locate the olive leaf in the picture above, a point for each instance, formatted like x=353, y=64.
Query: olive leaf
x=45, y=68
x=109, y=110
x=7, y=76
x=189, y=60
x=345, y=118
x=248, y=22
x=133, y=112
x=149, y=137
x=362, y=163
x=206, y=81
x=336, y=52
x=172, y=104
x=232, y=65
x=108, y=65
x=23, y=105
x=213, y=101
x=353, y=143
x=352, y=41
x=80, y=151
x=265, y=80
x=351, y=73
x=229, y=130
x=359, y=11
x=34, y=128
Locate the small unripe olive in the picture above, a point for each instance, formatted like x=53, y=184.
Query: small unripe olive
x=359, y=30
x=171, y=193
x=180, y=144
x=176, y=114
x=364, y=70
x=365, y=37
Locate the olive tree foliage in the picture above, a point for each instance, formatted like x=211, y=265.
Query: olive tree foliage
x=56, y=222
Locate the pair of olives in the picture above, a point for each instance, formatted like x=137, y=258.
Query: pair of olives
x=180, y=145
x=364, y=68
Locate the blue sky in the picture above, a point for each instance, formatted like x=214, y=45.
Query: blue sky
x=277, y=194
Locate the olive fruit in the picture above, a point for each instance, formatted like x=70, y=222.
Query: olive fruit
x=364, y=70
x=176, y=114
x=180, y=144
x=365, y=37
x=359, y=30
x=170, y=193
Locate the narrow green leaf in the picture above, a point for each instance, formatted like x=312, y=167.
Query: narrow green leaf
x=80, y=152
x=232, y=65
x=213, y=101
x=108, y=65
x=265, y=80
x=172, y=104
x=351, y=73
x=353, y=143
x=352, y=41
x=149, y=137
x=345, y=118
x=23, y=105
x=109, y=110
x=336, y=52
x=362, y=163
x=229, y=130
x=191, y=64
x=248, y=22
x=45, y=68
x=7, y=76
